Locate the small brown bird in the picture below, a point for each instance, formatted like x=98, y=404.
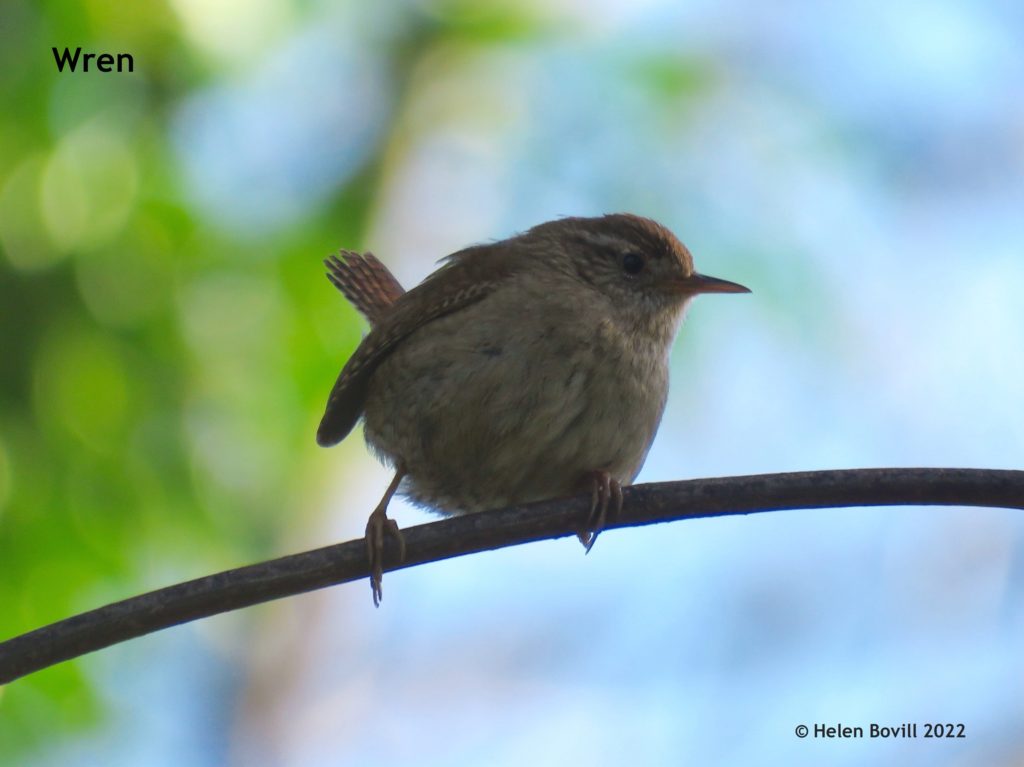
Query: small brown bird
x=530, y=368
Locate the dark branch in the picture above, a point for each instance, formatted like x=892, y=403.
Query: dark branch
x=644, y=505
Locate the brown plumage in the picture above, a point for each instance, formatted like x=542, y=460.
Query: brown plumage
x=525, y=369
x=460, y=282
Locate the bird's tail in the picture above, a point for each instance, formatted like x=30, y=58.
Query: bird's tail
x=365, y=282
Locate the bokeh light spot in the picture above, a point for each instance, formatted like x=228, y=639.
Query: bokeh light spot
x=129, y=280
x=81, y=386
x=22, y=232
x=233, y=29
x=88, y=187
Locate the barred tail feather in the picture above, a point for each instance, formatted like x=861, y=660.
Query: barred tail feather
x=365, y=282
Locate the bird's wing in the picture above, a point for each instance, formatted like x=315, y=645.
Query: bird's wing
x=467, y=277
x=365, y=282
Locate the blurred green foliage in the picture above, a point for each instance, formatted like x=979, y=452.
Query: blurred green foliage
x=160, y=381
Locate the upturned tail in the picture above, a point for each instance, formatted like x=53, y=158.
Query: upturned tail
x=365, y=282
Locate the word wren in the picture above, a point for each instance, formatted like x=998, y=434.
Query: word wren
x=525, y=369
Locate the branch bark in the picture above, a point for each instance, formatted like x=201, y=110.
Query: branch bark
x=455, y=536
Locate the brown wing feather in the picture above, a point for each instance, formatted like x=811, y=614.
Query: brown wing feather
x=466, y=278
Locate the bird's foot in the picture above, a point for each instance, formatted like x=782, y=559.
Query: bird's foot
x=604, y=490
x=378, y=526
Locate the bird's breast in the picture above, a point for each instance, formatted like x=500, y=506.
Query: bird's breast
x=510, y=401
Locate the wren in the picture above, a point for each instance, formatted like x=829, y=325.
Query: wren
x=531, y=368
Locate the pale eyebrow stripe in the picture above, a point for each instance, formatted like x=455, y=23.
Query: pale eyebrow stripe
x=601, y=239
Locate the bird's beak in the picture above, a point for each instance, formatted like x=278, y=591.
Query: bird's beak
x=700, y=283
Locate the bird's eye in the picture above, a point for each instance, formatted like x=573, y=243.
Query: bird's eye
x=632, y=263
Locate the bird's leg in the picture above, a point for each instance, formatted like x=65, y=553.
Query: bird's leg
x=376, y=527
x=604, y=489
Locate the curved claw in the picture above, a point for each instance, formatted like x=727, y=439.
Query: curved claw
x=605, y=489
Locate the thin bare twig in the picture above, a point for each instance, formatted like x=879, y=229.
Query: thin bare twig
x=644, y=505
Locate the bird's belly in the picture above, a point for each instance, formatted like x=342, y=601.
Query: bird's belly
x=486, y=419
